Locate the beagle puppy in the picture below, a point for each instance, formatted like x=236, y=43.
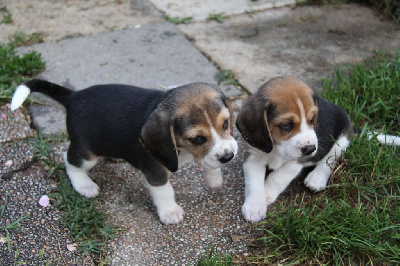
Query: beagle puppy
x=288, y=127
x=155, y=131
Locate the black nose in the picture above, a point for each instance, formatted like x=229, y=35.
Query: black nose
x=307, y=150
x=226, y=157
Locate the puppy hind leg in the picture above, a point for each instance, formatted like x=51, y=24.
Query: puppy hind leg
x=77, y=173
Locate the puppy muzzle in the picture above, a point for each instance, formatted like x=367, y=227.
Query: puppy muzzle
x=220, y=155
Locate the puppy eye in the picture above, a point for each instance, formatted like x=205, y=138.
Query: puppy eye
x=312, y=120
x=287, y=127
x=225, y=125
x=199, y=140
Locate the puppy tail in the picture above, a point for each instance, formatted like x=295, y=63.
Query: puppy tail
x=57, y=92
x=385, y=139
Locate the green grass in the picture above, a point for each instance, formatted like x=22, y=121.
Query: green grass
x=22, y=39
x=177, y=20
x=14, y=69
x=87, y=225
x=11, y=226
x=6, y=16
x=217, y=17
x=369, y=92
x=226, y=76
x=356, y=220
x=215, y=259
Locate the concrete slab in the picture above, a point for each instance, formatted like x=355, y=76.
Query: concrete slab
x=200, y=9
x=151, y=56
x=55, y=20
x=305, y=42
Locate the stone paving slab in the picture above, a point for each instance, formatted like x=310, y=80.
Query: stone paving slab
x=199, y=10
x=305, y=42
x=152, y=56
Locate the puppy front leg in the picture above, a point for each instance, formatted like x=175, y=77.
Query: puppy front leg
x=279, y=179
x=318, y=178
x=254, y=208
x=213, y=177
x=163, y=196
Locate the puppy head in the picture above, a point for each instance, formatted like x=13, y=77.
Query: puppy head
x=196, y=117
x=281, y=115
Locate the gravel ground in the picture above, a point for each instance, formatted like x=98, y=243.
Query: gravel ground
x=211, y=217
x=14, y=125
x=39, y=238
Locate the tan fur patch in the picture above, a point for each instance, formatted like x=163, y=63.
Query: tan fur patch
x=285, y=94
x=202, y=109
x=218, y=121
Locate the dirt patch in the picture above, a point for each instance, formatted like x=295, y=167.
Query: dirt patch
x=58, y=19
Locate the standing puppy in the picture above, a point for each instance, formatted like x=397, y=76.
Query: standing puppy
x=153, y=130
x=288, y=127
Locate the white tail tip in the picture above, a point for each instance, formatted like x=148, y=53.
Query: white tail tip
x=385, y=139
x=20, y=94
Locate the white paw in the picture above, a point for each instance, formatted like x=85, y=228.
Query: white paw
x=270, y=198
x=215, y=183
x=171, y=214
x=88, y=188
x=316, y=181
x=213, y=178
x=254, y=211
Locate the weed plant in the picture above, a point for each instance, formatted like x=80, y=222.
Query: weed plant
x=356, y=220
x=227, y=77
x=216, y=17
x=177, y=20
x=14, y=69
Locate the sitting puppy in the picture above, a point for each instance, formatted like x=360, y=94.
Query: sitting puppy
x=288, y=128
x=153, y=130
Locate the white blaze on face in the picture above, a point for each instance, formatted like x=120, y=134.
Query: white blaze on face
x=221, y=146
x=291, y=148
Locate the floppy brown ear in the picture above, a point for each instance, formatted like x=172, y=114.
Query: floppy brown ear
x=227, y=105
x=252, y=123
x=158, y=138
